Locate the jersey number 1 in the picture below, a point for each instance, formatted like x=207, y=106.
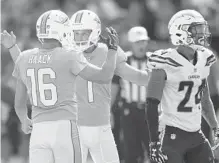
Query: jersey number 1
x=90, y=92
x=36, y=78
x=189, y=84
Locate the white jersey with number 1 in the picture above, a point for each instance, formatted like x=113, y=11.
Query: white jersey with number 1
x=94, y=99
x=94, y=112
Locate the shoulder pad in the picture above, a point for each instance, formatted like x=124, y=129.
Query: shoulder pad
x=161, y=59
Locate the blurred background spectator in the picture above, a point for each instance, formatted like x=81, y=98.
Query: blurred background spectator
x=20, y=17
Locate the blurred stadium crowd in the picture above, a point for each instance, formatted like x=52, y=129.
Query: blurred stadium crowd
x=20, y=17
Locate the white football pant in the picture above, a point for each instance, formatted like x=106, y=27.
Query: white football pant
x=100, y=142
x=55, y=142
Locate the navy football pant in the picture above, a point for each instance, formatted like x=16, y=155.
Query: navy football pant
x=186, y=147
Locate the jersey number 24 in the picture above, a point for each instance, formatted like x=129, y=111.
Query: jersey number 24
x=198, y=95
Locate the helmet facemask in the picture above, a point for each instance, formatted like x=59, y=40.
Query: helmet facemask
x=200, y=34
x=84, y=39
x=86, y=24
x=188, y=27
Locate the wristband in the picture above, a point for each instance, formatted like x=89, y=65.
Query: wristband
x=11, y=46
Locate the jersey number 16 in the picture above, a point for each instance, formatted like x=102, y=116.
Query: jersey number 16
x=37, y=85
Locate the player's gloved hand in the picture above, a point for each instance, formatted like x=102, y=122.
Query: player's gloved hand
x=26, y=126
x=8, y=40
x=112, y=39
x=215, y=148
x=156, y=153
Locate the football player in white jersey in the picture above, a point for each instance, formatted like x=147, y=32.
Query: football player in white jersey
x=94, y=99
x=48, y=76
x=178, y=85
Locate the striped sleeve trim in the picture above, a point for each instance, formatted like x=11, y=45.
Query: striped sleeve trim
x=164, y=60
x=210, y=60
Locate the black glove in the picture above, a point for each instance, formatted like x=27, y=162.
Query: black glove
x=216, y=132
x=156, y=154
x=112, y=39
x=216, y=138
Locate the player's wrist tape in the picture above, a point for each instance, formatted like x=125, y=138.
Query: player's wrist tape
x=152, y=118
x=11, y=46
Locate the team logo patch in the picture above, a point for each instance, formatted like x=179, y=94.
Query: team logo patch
x=195, y=69
x=173, y=136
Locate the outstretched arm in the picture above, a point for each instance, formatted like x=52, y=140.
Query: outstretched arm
x=104, y=74
x=21, y=101
x=15, y=52
x=21, y=98
x=154, y=95
x=101, y=75
x=132, y=74
x=9, y=42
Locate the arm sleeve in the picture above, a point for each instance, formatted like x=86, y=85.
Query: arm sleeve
x=162, y=59
x=16, y=71
x=156, y=60
x=211, y=59
x=152, y=118
x=154, y=94
x=77, y=63
x=121, y=56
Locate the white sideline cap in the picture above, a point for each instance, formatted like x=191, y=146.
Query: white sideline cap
x=137, y=33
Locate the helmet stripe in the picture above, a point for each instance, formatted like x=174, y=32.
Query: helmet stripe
x=43, y=23
x=79, y=17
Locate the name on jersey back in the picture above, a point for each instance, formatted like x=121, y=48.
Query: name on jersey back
x=35, y=59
